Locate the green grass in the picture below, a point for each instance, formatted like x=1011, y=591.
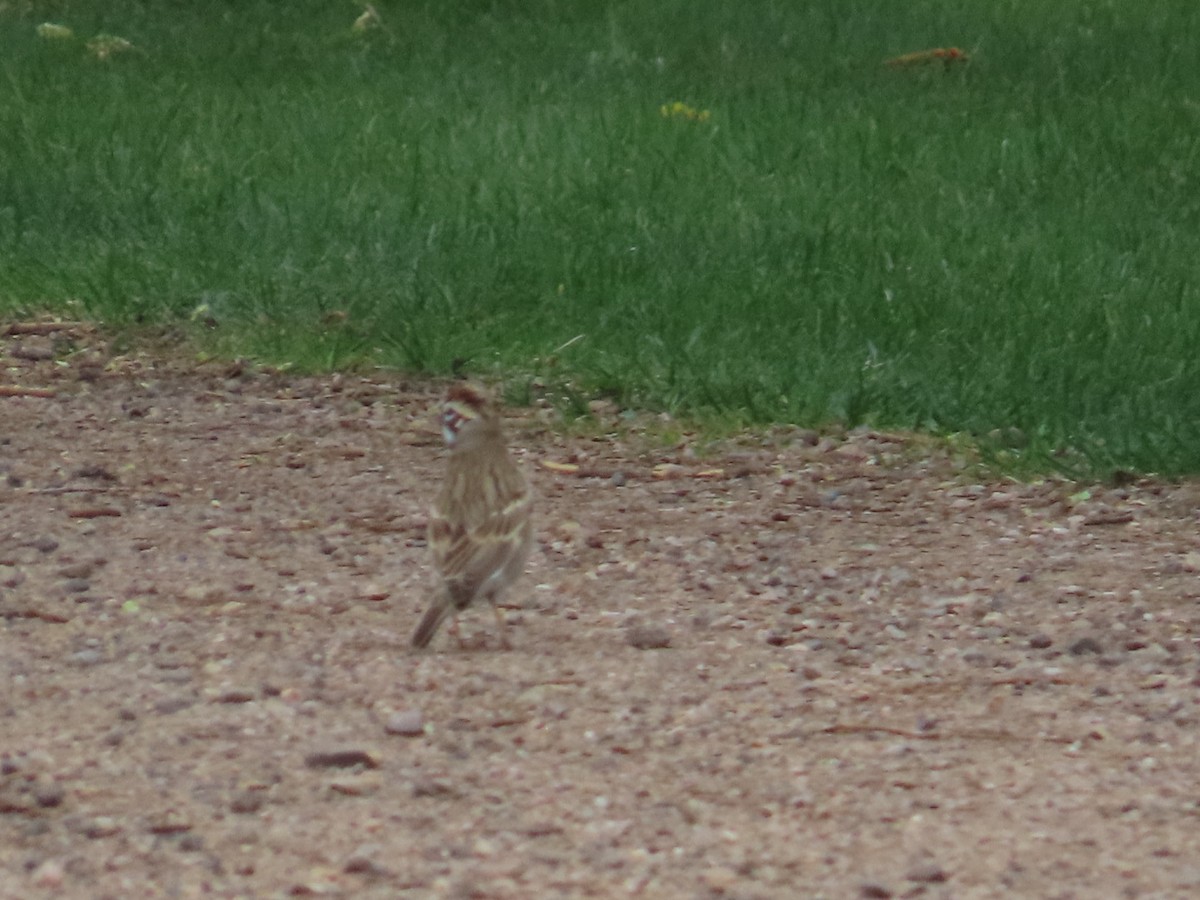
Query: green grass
x=1013, y=244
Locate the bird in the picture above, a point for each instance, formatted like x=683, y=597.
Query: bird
x=480, y=526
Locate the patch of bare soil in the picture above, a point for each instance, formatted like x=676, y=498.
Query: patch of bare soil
x=793, y=669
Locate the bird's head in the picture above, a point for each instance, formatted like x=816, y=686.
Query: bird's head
x=465, y=408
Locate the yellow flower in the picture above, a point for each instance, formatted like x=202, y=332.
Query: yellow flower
x=680, y=110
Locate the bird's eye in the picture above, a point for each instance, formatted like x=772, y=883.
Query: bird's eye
x=452, y=420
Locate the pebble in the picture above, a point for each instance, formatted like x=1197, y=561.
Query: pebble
x=363, y=862
x=1085, y=645
x=44, y=544
x=1041, y=641
x=86, y=658
x=191, y=843
x=648, y=637
x=355, y=785
x=247, y=801
x=406, y=722
x=31, y=352
x=169, y=823
x=202, y=595
x=100, y=827
x=235, y=695
x=807, y=437
x=342, y=758
x=94, y=471
x=50, y=874
x=927, y=873
x=432, y=787
x=719, y=879
x=49, y=795
x=875, y=890
x=80, y=570
x=170, y=705
x=77, y=585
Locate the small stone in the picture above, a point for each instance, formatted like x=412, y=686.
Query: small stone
x=1041, y=641
x=77, y=586
x=31, y=352
x=85, y=658
x=342, y=758
x=247, y=801
x=852, y=452
x=648, y=637
x=1085, y=645
x=169, y=823
x=927, y=873
x=191, y=843
x=100, y=827
x=169, y=705
x=96, y=472
x=406, y=722
x=49, y=795
x=359, y=864
x=355, y=785
x=719, y=879
x=44, y=544
x=431, y=787
x=50, y=874
x=235, y=695
x=80, y=570
x=875, y=890
x=618, y=479
x=16, y=796
x=807, y=437
x=203, y=595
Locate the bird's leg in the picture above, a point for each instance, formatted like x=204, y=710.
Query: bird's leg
x=453, y=629
x=502, y=623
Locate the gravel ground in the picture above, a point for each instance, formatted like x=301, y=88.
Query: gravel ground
x=794, y=666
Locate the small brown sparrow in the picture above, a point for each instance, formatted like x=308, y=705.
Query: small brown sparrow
x=480, y=530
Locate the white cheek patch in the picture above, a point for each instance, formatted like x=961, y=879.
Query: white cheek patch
x=452, y=421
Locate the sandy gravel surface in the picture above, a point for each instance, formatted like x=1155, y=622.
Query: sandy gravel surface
x=789, y=667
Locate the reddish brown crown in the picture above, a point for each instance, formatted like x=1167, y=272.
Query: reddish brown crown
x=464, y=403
x=467, y=395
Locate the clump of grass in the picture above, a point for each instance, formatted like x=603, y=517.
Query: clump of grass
x=804, y=235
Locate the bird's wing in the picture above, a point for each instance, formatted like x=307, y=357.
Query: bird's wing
x=469, y=557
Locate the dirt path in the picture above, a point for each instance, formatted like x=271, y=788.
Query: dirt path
x=839, y=670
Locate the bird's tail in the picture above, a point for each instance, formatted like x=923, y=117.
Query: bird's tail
x=439, y=608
